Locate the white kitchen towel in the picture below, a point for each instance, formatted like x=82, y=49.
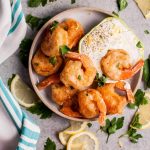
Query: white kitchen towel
x=29, y=132
x=12, y=27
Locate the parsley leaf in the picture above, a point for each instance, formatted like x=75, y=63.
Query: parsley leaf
x=54, y=25
x=146, y=72
x=41, y=110
x=122, y=4
x=24, y=51
x=53, y=60
x=89, y=125
x=64, y=49
x=112, y=126
x=100, y=80
x=139, y=44
x=132, y=130
x=49, y=145
x=140, y=99
x=79, y=77
x=36, y=3
x=10, y=80
x=146, y=32
x=115, y=14
x=36, y=22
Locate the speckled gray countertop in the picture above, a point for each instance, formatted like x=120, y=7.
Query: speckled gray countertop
x=50, y=127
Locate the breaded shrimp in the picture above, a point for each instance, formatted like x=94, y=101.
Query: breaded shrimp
x=115, y=101
x=52, y=41
x=116, y=65
x=91, y=104
x=74, y=29
x=61, y=94
x=78, y=72
x=42, y=65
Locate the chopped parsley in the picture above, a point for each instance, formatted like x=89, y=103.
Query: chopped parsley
x=146, y=32
x=53, y=60
x=41, y=110
x=64, y=49
x=139, y=44
x=89, y=125
x=112, y=126
x=79, y=77
x=122, y=4
x=54, y=25
x=100, y=80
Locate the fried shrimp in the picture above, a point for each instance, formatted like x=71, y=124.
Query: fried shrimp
x=115, y=101
x=78, y=72
x=52, y=41
x=48, y=81
x=116, y=65
x=74, y=29
x=91, y=104
x=61, y=94
x=42, y=65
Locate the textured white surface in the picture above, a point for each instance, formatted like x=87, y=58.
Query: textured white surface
x=50, y=127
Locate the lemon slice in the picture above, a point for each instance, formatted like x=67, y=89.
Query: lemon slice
x=63, y=137
x=143, y=111
x=76, y=127
x=83, y=141
x=22, y=93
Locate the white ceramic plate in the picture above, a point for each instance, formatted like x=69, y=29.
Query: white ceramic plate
x=88, y=17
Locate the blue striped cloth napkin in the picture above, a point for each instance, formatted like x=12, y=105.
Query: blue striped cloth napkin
x=29, y=132
x=12, y=27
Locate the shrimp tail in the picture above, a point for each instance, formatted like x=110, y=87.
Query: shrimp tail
x=121, y=85
x=48, y=81
x=102, y=119
x=69, y=112
x=128, y=73
x=73, y=55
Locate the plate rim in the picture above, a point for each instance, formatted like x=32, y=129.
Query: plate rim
x=31, y=55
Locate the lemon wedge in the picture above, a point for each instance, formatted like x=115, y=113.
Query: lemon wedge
x=143, y=111
x=22, y=93
x=63, y=137
x=76, y=127
x=83, y=141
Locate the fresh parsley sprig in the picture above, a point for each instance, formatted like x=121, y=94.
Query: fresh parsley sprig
x=146, y=32
x=140, y=99
x=132, y=130
x=24, y=51
x=146, y=73
x=112, y=126
x=35, y=22
x=41, y=110
x=36, y=3
x=100, y=80
x=49, y=145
